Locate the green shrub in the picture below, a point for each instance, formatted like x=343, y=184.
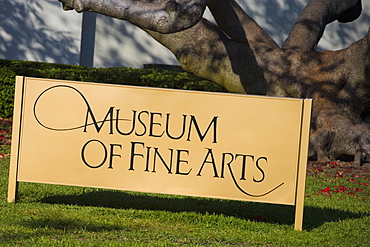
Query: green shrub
x=6, y=92
x=125, y=76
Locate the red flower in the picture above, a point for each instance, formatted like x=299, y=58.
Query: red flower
x=340, y=189
x=326, y=189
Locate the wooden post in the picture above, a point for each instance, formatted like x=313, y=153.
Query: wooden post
x=302, y=164
x=16, y=131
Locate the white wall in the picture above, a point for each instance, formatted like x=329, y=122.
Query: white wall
x=39, y=30
x=119, y=43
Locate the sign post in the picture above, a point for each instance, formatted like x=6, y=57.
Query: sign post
x=226, y=146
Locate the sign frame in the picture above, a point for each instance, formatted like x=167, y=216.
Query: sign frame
x=15, y=168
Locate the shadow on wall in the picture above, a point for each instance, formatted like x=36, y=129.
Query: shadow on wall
x=30, y=30
x=278, y=17
x=119, y=43
x=275, y=17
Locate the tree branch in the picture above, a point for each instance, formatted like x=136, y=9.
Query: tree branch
x=205, y=51
x=201, y=51
x=232, y=19
x=310, y=26
x=164, y=16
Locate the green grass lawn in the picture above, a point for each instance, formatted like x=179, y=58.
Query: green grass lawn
x=337, y=213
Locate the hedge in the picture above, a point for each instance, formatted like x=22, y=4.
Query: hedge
x=125, y=76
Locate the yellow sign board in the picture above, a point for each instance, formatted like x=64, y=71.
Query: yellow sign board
x=226, y=146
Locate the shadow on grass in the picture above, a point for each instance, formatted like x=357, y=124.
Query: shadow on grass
x=51, y=227
x=271, y=213
x=68, y=225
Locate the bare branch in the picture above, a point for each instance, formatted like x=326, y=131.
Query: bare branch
x=232, y=19
x=164, y=16
x=310, y=26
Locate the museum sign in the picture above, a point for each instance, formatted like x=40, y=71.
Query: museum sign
x=217, y=145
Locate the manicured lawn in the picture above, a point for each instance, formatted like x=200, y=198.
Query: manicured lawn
x=337, y=213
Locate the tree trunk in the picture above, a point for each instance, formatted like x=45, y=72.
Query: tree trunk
x=238, y=55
